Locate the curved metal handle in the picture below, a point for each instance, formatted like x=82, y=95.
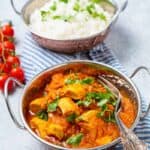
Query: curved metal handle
x=14, y=7
x=7, y=101
x=137, y=70
x=123, y=5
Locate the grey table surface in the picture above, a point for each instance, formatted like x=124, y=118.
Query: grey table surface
x=129, y=40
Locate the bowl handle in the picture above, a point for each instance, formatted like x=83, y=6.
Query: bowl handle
x=136, y=71
x=123, y=5
x=7, y=101
x=14, y=7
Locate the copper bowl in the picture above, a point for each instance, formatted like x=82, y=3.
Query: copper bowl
x=67, y=46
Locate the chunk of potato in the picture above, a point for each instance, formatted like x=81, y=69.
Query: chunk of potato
x=38, y=104
x=55, y=130
x=75, y=91
x=104, y=140
x=56, y=82
x=67, y=106
x=88, y=116
x=40, y=125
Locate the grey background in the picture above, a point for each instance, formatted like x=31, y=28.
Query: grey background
x=129, y=40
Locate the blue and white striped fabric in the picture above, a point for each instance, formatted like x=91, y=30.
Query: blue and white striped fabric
x=35, y=59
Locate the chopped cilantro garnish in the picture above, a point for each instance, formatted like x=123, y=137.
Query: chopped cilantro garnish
x=53, y=7
x=110, y=118
x=92, y=11
x=102, y=1
x=42, y=115
x=100, y=98
x=76, y=7
x=90, y=8
x=86, y=102
x=71, y=81
x=64, y=1
x=75, y=139
x=64, y=18
x=103, y=110
x=44, y=15
x=53, y=105
x=102, y=102
x=71, y=118
x=102, y=16
x=87, y=80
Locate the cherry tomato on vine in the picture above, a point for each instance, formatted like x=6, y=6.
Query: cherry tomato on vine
x=13, y=61
x=6, y=50
x=18, y=73
x=9, y=45
x=7, y=30
x=3, y=78
x=4, y=68
x=9, y=62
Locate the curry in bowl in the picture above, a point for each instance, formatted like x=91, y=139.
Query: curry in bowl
x=74, y=110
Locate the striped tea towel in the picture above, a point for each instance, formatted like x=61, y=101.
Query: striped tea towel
x=35, y=59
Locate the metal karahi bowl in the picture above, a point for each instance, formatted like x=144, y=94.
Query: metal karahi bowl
x=40, y=80
x=67, y=46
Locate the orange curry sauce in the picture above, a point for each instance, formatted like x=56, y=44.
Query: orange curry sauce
x=76, y=111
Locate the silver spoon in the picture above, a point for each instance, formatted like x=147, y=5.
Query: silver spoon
x=129, y=139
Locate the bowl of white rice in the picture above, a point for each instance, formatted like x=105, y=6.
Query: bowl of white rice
x=69, y=26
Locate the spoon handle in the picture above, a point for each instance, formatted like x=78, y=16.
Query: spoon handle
x=130, y=140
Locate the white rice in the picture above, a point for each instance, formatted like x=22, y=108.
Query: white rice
x=81, y=25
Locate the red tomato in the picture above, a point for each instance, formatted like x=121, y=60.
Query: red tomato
x=3, y=78
x=9, y=48
x=18, y=73
x=13, y=61
x=9, y=45
x=4, y=68
x=8, y=30
x=0, y=49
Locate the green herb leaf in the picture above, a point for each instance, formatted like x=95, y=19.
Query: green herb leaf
x=111, y=118
x=87, y=80
x=90, y=8
x=92, y=11
x=96, y=1
x=102, y=102
x=65, y=18
x=102, y=112
x=102, y=1
x=113, y=102
x=54, y=6
x=102, y=16
x=76, y=7
x=86, y=102
x=88, y=99
x=70, y=81
x=75, y=140
x=98, y=96
x=42, y=115
x=65, y=1
x=56, y=17
x=53, y=105
x=71, y=118
x=44, y=15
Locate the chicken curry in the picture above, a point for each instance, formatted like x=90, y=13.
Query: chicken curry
x=76, y=111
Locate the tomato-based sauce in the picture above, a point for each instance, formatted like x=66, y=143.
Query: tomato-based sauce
x=77, y=111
